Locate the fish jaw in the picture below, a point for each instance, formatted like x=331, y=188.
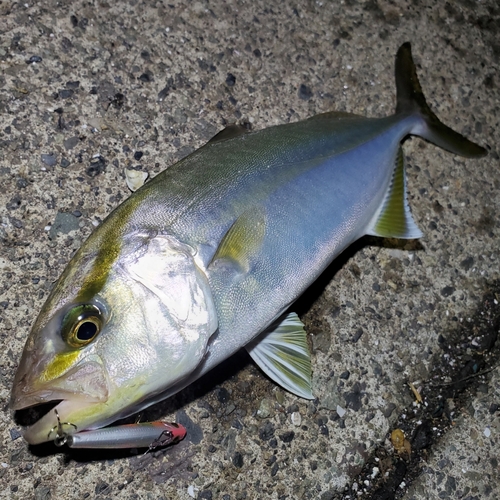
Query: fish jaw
x=78, y=413
x=86, y=399
x=59, y=421
x=80, y=390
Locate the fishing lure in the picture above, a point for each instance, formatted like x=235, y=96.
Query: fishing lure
x=149, y=435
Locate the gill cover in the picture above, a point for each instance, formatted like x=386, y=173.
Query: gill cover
x=163, y=313
x=167, y=269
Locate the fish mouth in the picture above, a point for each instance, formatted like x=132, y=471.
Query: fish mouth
x=65, y=417
x=79, y=399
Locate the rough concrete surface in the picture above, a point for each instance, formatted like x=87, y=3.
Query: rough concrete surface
x=465, y=463
x=88, y=89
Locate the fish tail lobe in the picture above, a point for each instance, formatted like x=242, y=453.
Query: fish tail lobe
x=411, y=101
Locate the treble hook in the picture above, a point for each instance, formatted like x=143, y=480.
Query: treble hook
x=166, y=437
x=61, y=436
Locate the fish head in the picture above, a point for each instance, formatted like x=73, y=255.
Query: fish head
x=125, y=322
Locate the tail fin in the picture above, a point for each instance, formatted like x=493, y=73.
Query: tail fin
x=411, y=101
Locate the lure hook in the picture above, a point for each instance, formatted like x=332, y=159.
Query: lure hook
x=61, y=437
x=166, y=437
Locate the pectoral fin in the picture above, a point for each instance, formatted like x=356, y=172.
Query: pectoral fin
x=394, y=219
x=243, y=240
x=282, y=353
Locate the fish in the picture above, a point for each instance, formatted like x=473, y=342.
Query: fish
x=209, y=256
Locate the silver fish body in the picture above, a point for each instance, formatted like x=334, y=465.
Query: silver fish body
x=208, y=256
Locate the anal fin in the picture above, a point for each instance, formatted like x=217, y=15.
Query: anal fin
x=394, y=219
x=282, y=353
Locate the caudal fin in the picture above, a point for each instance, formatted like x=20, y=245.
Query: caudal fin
x=411, y=101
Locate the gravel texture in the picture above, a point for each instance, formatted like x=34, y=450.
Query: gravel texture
x=88, y=89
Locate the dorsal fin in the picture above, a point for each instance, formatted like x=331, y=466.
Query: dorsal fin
x=394, y=219
x=229, y=132
x=339, y=115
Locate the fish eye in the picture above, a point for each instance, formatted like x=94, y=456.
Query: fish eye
x=81, y=325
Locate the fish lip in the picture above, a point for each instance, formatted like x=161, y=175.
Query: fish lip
x=44, y=396
x=52, y=424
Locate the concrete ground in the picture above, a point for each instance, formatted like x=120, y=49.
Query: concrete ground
x=90, y=88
